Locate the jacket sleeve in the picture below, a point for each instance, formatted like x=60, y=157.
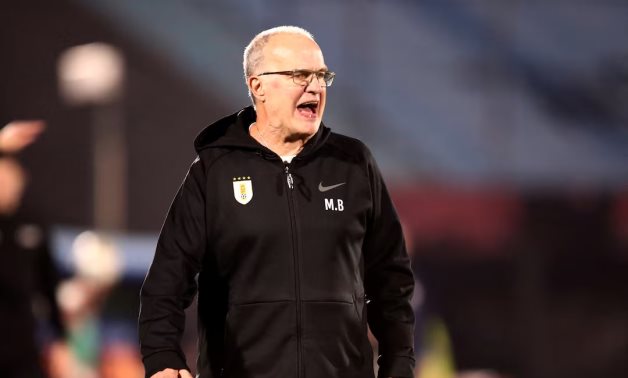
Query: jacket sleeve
x=170, y=286
x=389, y=283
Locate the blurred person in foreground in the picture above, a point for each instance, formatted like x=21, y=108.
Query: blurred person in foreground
x=288, y=233
x=27, y=274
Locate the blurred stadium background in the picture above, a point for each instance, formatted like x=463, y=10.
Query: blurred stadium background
x=501, y=126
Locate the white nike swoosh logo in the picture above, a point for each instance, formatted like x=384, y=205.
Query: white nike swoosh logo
x=322, y=188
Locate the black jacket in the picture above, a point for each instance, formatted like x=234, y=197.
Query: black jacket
x=282, y=279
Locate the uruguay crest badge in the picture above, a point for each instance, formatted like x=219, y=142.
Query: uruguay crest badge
x=243, y=189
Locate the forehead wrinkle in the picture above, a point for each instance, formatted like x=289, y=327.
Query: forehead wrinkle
x=286, y=63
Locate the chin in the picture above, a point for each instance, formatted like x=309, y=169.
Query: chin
x=311, y=127
x=303, y=126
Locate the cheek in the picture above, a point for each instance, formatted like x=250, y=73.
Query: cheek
x=274, y=86
x=282, y=99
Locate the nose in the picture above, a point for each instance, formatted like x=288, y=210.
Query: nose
x=315, y=85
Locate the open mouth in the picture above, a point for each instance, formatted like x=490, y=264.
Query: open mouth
x=308, y=109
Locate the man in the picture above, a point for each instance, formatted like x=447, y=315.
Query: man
x=292, y=234
x=28, y=278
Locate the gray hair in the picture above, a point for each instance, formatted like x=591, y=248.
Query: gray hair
x=253, y=53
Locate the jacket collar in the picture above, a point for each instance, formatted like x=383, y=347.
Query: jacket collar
x=233, y=132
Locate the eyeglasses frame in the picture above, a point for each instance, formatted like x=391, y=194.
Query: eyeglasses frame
x=293, y=72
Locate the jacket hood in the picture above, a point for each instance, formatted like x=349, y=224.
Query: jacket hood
x=233, y=131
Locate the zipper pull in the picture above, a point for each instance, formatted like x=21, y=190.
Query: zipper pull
x=289, y=178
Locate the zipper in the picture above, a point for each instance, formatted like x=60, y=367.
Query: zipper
x=289, y=177
x=297, y=264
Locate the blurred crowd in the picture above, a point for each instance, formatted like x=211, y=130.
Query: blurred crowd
x=49, y=322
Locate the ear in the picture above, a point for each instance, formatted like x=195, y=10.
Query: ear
x=256, y=86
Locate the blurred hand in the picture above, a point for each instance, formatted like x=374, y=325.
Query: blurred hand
x=59, y=360
x=18, y=134
x=185, y=374
x=171, y=373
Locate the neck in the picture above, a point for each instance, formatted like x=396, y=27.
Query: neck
x=276, y=140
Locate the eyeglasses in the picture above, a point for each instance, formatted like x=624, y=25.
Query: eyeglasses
x=304, y=77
